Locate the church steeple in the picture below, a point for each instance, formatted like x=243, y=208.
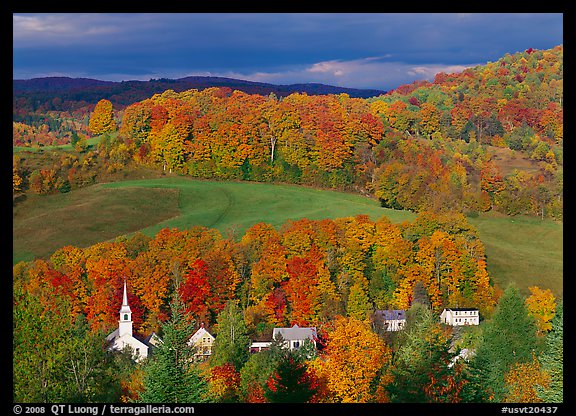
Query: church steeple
x=125, y=323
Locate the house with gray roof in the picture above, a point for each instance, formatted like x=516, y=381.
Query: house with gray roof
x=390, y=320
x=294, y=337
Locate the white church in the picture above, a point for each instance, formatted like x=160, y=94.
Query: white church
x=123, y=337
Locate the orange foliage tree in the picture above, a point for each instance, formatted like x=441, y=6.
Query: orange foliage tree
x=353, y=362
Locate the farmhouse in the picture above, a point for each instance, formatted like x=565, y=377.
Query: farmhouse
x=293, y=338
x=123, y=337
x=460, y=316
x=390, y=320
x=203, y=341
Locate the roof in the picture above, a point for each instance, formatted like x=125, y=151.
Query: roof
x=200, y=334
x=391, y=315
x=152, y=340
x=112, y=336
x=149, y=341
x=295, y=333
x=461, y=309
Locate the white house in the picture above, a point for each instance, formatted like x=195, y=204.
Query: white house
x=390, y=320
x=460, y=316
x=203, y=341
x=294, y=337
x=122, y=337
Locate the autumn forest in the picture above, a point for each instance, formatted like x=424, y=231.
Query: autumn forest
x=487, y=140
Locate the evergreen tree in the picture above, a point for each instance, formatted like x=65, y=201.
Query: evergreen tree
x=508, y=338
x=291, y=382
x=232, y=341
x=421, y=372
x=171, y=376
x=255, y=374
x=74, y=138
x=552, y=360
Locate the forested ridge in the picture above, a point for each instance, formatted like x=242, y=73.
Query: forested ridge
x=489, y=138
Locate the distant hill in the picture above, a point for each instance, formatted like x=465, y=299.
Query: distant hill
x=123, y=93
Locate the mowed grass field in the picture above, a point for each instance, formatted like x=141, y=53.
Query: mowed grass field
x=42, y=224
x=526, y=251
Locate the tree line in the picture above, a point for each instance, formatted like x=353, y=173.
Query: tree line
x=424, y=146
x=330, y=274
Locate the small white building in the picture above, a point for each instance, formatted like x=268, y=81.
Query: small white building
x=294, y=337
x=122, y=337
x=460, y=316
x=203, y=341
x=390, y=320
x=258, y=346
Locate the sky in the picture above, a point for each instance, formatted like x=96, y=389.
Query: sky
x=355, y=50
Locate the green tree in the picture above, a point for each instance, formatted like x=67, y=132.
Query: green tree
x=171, y=376
x=421, y=368
x=37, y=361
x=254, y=375
x=358, y=305
x=291, y=382
x=507, y=339
x=56, y=357
x=232, y=341
x=552, y=360
x=93, y=374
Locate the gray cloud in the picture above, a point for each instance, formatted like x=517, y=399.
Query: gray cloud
x=351, y=49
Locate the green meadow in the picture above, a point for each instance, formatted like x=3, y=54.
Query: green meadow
x=526, y=251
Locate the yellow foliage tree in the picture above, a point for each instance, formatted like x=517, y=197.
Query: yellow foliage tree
x=102, y=118
x=541, y=305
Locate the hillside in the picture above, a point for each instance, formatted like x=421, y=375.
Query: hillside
x=489, y=138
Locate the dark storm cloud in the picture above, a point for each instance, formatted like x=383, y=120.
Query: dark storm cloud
x=348, y=49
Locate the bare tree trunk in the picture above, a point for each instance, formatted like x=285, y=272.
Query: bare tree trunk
x=273, y=141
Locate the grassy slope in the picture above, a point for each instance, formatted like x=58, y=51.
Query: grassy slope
x=43, y=224
x=83, y=217
x=236, y=206
x=524, y=250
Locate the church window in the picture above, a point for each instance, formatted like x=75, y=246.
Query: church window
x=125, y=316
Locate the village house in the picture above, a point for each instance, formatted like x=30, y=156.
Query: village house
x=123, y=336
x=292, y=338
x=390, y=320
x=460, y=316
x=203, y=341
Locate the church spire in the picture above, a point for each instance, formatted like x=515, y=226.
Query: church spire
x=125, y=323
